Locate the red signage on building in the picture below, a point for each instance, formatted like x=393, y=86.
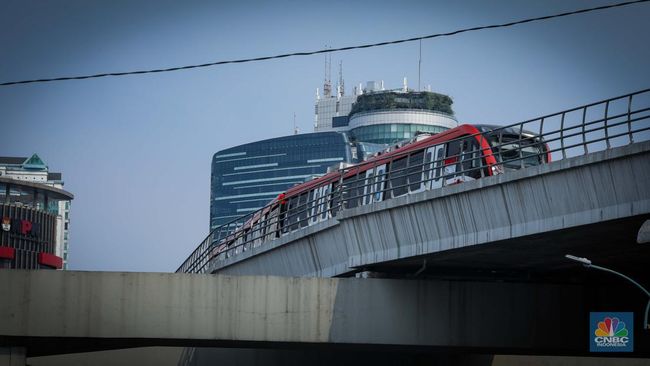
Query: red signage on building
x=19, y=226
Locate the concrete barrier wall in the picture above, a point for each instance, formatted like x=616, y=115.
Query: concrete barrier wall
x=52, y=312
x=165, y=306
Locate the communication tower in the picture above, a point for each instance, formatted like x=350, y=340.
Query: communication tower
x=327, y=85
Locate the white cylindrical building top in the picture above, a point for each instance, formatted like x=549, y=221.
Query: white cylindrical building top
x=402, y=116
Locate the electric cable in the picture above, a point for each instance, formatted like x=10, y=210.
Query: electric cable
x=327, y=50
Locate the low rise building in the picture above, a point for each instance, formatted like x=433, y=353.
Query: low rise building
x=35, y=214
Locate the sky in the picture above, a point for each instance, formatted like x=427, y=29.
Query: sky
x=136, y=150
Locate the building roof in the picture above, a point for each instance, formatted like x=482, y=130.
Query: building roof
x=12, y=160
x=55, y=193
x=35, y=163
x=54, y=176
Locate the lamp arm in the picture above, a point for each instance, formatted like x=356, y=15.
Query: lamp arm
x=647, y=308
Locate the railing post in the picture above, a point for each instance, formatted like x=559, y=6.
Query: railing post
x=606, y=120
x=521, y=153
x=340, y=189
x=406, y=172
x=541, y=138
x=629, y=118
x=584, y=137
x=562, y=136
x=481, y=157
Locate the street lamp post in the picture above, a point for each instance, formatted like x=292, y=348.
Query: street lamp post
x=587, y=263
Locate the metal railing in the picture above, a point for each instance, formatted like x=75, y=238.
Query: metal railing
x=578, y=131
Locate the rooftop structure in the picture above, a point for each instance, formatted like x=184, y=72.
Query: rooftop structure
x=376, y=115
x=29, y=191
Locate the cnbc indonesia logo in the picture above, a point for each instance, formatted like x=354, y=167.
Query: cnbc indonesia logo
x=611, y=332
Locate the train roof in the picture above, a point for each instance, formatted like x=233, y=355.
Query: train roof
x=386, y=156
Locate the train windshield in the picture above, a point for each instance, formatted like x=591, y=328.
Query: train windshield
x=516, y=150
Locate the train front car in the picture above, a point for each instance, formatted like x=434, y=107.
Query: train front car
x=515, y=148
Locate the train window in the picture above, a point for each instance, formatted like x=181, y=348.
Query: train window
x=291, y=215
x=325, y=200
x=303, y=209
x=380, y=182
x=470, y=158
x=415, y=171
x=359, y=182
x=360, y=187
x=313, y=204
x=451, y=159
x=335, y=199
x=272, y=229
x=350, y=194
x=264, y=224
x=397, y=177
x=516, y=153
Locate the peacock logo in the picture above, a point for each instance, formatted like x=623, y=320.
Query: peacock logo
x=611, y=332
x=611, y=327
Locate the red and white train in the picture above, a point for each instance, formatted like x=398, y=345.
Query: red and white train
x=466, y=152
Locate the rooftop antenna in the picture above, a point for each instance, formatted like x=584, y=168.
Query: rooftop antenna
x=295, y=127
x=341, y=82
x=419, y=64
x=327, y=86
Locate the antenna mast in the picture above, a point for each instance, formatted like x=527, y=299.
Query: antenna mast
x=341, y=82
x=327, y=86
x=419, y=65
x=295, y=127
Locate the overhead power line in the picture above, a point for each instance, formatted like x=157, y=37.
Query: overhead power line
x=327, y=50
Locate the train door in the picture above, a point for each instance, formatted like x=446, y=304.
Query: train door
x=451, y=162
x=470, y=159
x=380, y=183
x=368, y=184
x=303, y=210
x=317, y=204
x=416, y=172
x=313, y=203
x=273, y=223
x=434, y=161
x=397, y=180
x=335, y=200
x=264, y=226
x=256, y=233
x=325, y=202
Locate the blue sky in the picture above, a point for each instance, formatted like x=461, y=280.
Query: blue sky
x=136, y=150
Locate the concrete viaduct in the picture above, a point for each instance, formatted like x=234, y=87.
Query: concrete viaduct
x=517, y=224
x=482, y=267
x=48, y=312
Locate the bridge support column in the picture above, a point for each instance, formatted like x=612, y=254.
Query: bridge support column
x=12, y=356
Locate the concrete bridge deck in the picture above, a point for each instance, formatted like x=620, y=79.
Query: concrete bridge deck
x=591, y=205
x=49, y=312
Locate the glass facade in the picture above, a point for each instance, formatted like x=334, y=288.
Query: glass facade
x=391, y=133
x=246, y=177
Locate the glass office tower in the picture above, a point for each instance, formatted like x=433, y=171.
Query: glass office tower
x=246, y=177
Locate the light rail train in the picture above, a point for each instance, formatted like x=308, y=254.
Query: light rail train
x=461, y=154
